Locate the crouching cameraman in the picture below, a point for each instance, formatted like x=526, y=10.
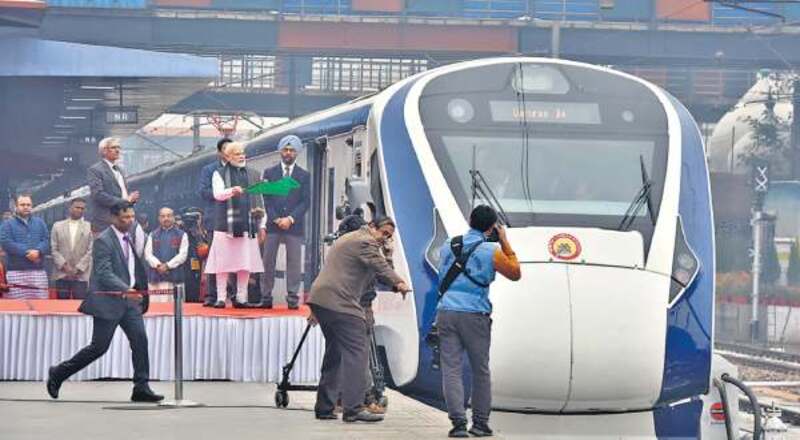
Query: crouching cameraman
x=468, y=266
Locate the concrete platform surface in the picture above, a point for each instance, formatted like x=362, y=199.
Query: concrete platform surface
x=241, y=411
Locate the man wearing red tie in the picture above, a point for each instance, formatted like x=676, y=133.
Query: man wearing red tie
x=115, y=299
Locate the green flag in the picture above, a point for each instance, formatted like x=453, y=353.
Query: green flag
x=278, y=188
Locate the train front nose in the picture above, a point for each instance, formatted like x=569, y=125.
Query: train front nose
x=574, y=337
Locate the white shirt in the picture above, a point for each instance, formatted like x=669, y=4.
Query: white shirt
x=73, y=231
x=120, y=179
x=131, y=261
x=291, y=169
x=177, y=260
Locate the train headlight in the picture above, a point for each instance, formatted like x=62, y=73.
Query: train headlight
x=537, y=78
x=628, y=116
x=460, y=110
x=685, y=265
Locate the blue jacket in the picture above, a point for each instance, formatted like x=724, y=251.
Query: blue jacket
x=207, y=193
x=18, y=237
x=464, y=295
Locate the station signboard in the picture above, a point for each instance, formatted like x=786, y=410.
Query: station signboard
x=122, y=115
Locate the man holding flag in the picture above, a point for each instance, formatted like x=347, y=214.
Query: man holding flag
x=285, y=220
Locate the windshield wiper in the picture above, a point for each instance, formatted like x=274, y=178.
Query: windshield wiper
x=481, y=188
x=642, y=198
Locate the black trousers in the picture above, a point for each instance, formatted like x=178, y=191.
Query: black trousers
x=346, y=359
x=71, y=289
x=102, y=333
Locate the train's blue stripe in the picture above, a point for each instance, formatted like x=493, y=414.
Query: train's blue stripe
x=679, y=421
x=331, y=126
x=687, y=362
x=415, y=223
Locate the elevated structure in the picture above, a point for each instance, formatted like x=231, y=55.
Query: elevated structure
x=57, y=99
x=705, y=53
x=290, y=57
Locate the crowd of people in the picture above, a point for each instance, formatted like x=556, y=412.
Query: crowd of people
x=116, y=265
x=237, y=221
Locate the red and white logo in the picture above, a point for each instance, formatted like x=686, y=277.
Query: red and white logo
x=564, y=247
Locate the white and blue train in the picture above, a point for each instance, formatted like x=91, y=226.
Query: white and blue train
x=603, y=181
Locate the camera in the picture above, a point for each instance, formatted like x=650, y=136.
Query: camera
x=190, y=220
x=433, y=342
x=494, y=236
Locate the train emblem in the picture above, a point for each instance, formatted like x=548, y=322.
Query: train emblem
x=564, y=247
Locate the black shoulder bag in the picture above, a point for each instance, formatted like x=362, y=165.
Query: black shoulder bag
x=457, y=268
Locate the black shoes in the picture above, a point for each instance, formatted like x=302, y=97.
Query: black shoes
x=265, y=305
x=293, y=306
x=219, y=305
x=363, y=416
x=326, y=416
x=208, y=302
x=53, y=385
x=242, y=305
x=480, y=429
x=146, y=395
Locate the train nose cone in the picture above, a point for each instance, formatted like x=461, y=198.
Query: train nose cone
x=572, y=337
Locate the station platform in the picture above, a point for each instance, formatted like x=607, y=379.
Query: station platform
x=242, y=411
x=243, y=345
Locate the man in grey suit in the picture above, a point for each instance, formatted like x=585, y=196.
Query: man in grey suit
x=107, y=185
x=115, y=299
x=71, y=247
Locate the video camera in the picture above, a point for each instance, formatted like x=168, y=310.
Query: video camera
x=433, y=342
x=191, y=220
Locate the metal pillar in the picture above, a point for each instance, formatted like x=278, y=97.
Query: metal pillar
x=795, y=132
x=292, y=88
x=555, y=40
x=759, y=224
x=195, y=132
x=179, y=401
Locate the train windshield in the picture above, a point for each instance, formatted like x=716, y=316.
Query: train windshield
x=551, y=175
x=556, y=145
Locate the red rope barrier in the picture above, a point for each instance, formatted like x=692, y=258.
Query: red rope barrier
x=99, y=292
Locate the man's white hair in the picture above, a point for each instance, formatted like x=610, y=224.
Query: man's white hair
x=106, y=142
x=231, y=145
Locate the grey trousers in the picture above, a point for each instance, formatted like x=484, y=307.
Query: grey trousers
x=470, y=332
x=293, y=245
x=346, y=357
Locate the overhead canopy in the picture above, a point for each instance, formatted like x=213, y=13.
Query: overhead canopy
x=34, y=57
x=58, y=98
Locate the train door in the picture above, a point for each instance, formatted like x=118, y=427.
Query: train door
x=333, y=163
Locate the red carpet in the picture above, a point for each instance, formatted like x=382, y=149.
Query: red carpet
x=70, y=307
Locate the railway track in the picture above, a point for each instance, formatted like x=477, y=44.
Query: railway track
x=759, y=357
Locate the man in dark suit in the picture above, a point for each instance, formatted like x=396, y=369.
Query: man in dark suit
x=115, y=299
x=207, y=194
x=285, y=222
x=107, y=185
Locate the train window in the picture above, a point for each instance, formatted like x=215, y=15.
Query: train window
x=557, y=145
x=561, y=176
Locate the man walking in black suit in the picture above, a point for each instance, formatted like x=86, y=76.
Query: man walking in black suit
x=107, y=185
x=285, y=222
x=114, y=300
